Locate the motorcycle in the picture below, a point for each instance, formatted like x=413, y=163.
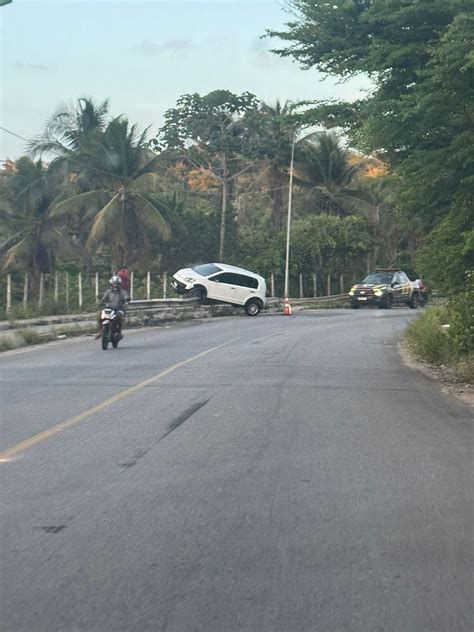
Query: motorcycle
x=110, y=327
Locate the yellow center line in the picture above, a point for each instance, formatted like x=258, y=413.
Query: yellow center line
x=17, y=449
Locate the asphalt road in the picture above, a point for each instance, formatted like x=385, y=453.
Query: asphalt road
x=262, y=474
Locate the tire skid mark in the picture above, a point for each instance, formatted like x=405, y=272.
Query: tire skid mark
x=184, y=416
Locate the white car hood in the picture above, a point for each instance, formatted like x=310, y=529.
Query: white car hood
x=186, y=273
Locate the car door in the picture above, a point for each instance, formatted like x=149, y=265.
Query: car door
x=222, y=287
x=396, y=289
x=405, y=287
x=246, y=287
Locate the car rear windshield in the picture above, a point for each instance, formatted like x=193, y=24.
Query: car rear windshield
x=207, y=269
x=378, y=277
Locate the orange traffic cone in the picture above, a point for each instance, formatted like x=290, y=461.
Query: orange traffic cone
x=287, y=308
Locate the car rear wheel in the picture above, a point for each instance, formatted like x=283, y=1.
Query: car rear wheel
x=415, y=301
x=253, y=307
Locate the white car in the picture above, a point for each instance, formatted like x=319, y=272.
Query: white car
x=223, y=283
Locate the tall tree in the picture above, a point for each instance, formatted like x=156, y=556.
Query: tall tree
x=210, y=133
x=324, y=166
x=35, y=237
x=274, y=129
x=70, y=126
x=125, y=212
x=419, y=114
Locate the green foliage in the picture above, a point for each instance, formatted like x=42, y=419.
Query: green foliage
x=323, y=165
x=419, y=114
x=34, y=239
x=29, y=337
x=453, y=345
x=123, y=211
x=210, y=133
x=391, y=37
x=195, y=238
x=447, y=255
x=69, y=126
x=329, y=244
x=113, y=201
x=262, y=252
x=462, y=319
x=427, y=339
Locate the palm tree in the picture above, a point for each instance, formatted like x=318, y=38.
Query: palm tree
x=124, y=212
x=69, y=126
x=35, y=238
x=323, y=166
x=277, y=131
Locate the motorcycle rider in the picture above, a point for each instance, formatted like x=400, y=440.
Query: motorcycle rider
x=116, y=298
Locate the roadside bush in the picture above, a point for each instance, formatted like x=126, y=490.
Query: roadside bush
x=461, y=312
x=30, y=337
x=427, y=339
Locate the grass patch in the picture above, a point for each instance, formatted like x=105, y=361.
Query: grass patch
x=427, y=339
x=430, y=342
x=7, y=345
x=464, y=369
x=31, y=337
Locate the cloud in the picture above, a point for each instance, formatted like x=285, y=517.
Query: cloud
x=149, y=48
x=29, y=67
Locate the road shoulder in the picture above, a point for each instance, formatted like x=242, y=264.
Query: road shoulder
x=462, y=391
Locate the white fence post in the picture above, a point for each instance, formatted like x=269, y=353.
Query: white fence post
x=96, y=285
x=131, y=284
x=341, y=283
x=148, y=285
x=301, y=285
x=315, y=285
x=41, y=291
x=56, y=287
x=9, y=292
x=165, y=280
x=79, y=288
x=67, y=290
x=329, y=285
x=25, y=292
x=272, y=284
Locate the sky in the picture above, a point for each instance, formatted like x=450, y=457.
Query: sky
x=142, y=55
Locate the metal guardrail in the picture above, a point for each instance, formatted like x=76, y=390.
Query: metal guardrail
x=161, y=302
x=319, y=299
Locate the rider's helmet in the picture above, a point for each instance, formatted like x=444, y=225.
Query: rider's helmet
x=115, y=282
